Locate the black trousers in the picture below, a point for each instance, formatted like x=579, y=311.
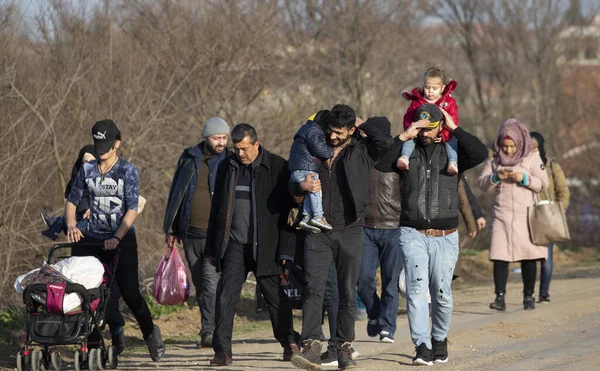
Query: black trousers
x=126, y=276
x=236, y=264
x=528, y=272
x=344, y=247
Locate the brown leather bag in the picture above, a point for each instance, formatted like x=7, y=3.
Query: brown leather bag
x=547, y=222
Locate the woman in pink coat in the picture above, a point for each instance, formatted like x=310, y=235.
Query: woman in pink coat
x=517, y=175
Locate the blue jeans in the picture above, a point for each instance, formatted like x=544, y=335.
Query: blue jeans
x=546, y=273
x=313, y=204
x=407, y=148
x=452, y=149
x=381, y=248
x=429, y=264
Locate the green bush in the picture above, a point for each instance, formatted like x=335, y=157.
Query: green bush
x=158, y=310
x=12, y=324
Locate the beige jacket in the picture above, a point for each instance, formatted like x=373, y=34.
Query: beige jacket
x=510, y=239
x=557, y=187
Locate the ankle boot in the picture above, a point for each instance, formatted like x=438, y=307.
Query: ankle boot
x=499, y=303
x=528, y=301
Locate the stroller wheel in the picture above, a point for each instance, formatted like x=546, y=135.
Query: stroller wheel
x=101, y=358
x=36, y=360
x=79, y=359
x=56, y=360
x=113, y=358
x=93, y=359
x=21, y=361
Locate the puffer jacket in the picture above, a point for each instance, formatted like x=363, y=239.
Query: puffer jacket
x=309, y=148
x=510, y=239
x=446, y=101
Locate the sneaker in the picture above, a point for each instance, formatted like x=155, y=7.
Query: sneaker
x=118, y=342
x=345, y=360
x=386, y=337
x=423, y=357
x=221, y=359
x=544, y=298
x=310, y=358
x=354, y=353
x=304, y=224
x=320, y=223
x=156, y=345
x=289, y=351
x=402, y=163
x=440, y=350
x=528, y=302
x=372, y=328
x=47, y=219
x=206, y=339
x=452, y=168
x=329, y=358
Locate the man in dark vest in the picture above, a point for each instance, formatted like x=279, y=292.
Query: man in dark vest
x=428, y=232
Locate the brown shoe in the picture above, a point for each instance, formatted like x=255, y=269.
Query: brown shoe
x=221, y=359
x=288, y=352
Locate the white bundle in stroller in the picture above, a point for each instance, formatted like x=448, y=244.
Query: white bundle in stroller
x=84, y=270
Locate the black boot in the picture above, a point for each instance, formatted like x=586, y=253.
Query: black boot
x=528, y=301
x=499, y=303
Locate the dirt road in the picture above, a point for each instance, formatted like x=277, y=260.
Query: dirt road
x=561, y=335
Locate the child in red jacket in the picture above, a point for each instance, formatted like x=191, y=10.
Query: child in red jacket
x=434, y=90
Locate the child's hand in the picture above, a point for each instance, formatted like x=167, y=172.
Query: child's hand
x=448, y=120
x=437, y=140
x=87, y=213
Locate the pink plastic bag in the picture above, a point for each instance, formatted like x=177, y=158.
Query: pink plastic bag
x=171, y=285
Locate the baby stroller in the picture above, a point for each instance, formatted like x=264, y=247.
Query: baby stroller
x=47, y=325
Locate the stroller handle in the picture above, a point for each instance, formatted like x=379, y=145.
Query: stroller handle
x=78, y=245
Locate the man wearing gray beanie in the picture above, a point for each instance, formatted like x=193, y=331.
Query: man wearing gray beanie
x=187, y=213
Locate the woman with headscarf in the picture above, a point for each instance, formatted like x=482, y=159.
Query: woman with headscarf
x=557, y=191
x=517, y=175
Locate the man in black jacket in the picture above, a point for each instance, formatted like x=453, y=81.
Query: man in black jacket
x=187, y=212
x=247, y=218
x=345, y=181
x=428, y=233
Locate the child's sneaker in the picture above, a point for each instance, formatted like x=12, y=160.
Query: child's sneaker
x=452, y=168
x=304, y=224
x=402, y=163
x=321, y=223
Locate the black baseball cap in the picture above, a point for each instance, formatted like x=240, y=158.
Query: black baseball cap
x=105, y=134
x=429, y=112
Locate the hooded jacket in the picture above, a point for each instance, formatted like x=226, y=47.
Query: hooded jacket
x=446, y=101
x=309, y=148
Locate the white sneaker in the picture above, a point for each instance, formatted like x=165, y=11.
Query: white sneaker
x=386, y=337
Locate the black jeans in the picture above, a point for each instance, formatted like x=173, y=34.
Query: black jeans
x=344, y=247
x=205, y=279
x=126, y=276
x=331, y=301
x=236, y=264
x=528, y=272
